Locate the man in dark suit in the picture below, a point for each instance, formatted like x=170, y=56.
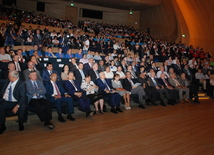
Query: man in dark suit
x=88, y=66
x=188, y=73
x=163, y=81
x=94, y=73
x=19, y=65
x=124, y=66
x=38, y=38
x=11, y=67
x=13, y=97
x=48, y=71
x=101, y=67
x=160, y=90
x=56, y=93
x=73, y=65
x=79, y=73
x=73, y=89
x=129, y=86
x=31, y=67
x=36, y=98
x=106, y=89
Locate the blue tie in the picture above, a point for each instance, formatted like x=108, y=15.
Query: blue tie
x=10, y=93
x=34, y=85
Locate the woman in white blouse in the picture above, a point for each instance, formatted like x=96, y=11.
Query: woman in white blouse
x=120, y=72
x=91, y=92
x=108, y=73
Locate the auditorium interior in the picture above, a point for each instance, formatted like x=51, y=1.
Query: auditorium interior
x=170, y=113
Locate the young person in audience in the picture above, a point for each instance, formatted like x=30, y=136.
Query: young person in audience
x=65, y=71
x=84, y=59
x=57, y=94
x=106, y=89
x=89, y=55
x=60, y=54
x=97, y=56
x=35, y=48
x=13, y=97
x=36, y=98
x=79, y=54
x=116, y=84
x=74, y=90
x=92, y=93
x=48, y=71
x=49, y=53
x=68, y=54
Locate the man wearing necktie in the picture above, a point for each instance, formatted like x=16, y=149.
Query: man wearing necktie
x=160, y=90
x=56, y=94
x=106, y=89
x=73, y=89
x=181, y=89
x=172, y=92
x=79, y=73
x=48, y=71
x=31, y=67
x=93, y=73
x=36, y=98
x=12, y=97
x=129, y=86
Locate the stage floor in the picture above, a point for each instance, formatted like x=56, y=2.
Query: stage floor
x=180, y=129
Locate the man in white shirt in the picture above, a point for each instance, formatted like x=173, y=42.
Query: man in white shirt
x=86, y=44
x=13, y=97
x=162, y=71
x=3, y=56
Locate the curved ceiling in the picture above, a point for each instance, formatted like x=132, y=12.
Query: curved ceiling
x=121, y=4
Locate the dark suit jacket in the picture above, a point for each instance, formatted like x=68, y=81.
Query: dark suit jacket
x=127, y=85
x=72, y=67
x=36, y=39
x=78, y=75
x=161, y=82
x=92, y=74
x=46, y=75
x=50, y=89
x=102, y=86
x=69, y=88
x=22, y=65
x=19, y=92
x=86, y=68
x=151, y=83
x=30, y=89
x=101, y=68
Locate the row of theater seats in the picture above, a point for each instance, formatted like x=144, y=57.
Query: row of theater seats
x=32, y=109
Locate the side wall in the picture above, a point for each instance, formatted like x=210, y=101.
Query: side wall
x=60, y=9
x=162, y=21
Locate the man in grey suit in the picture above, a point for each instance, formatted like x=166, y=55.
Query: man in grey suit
x=36, y=98
x=180, y=88
x=31, y=67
